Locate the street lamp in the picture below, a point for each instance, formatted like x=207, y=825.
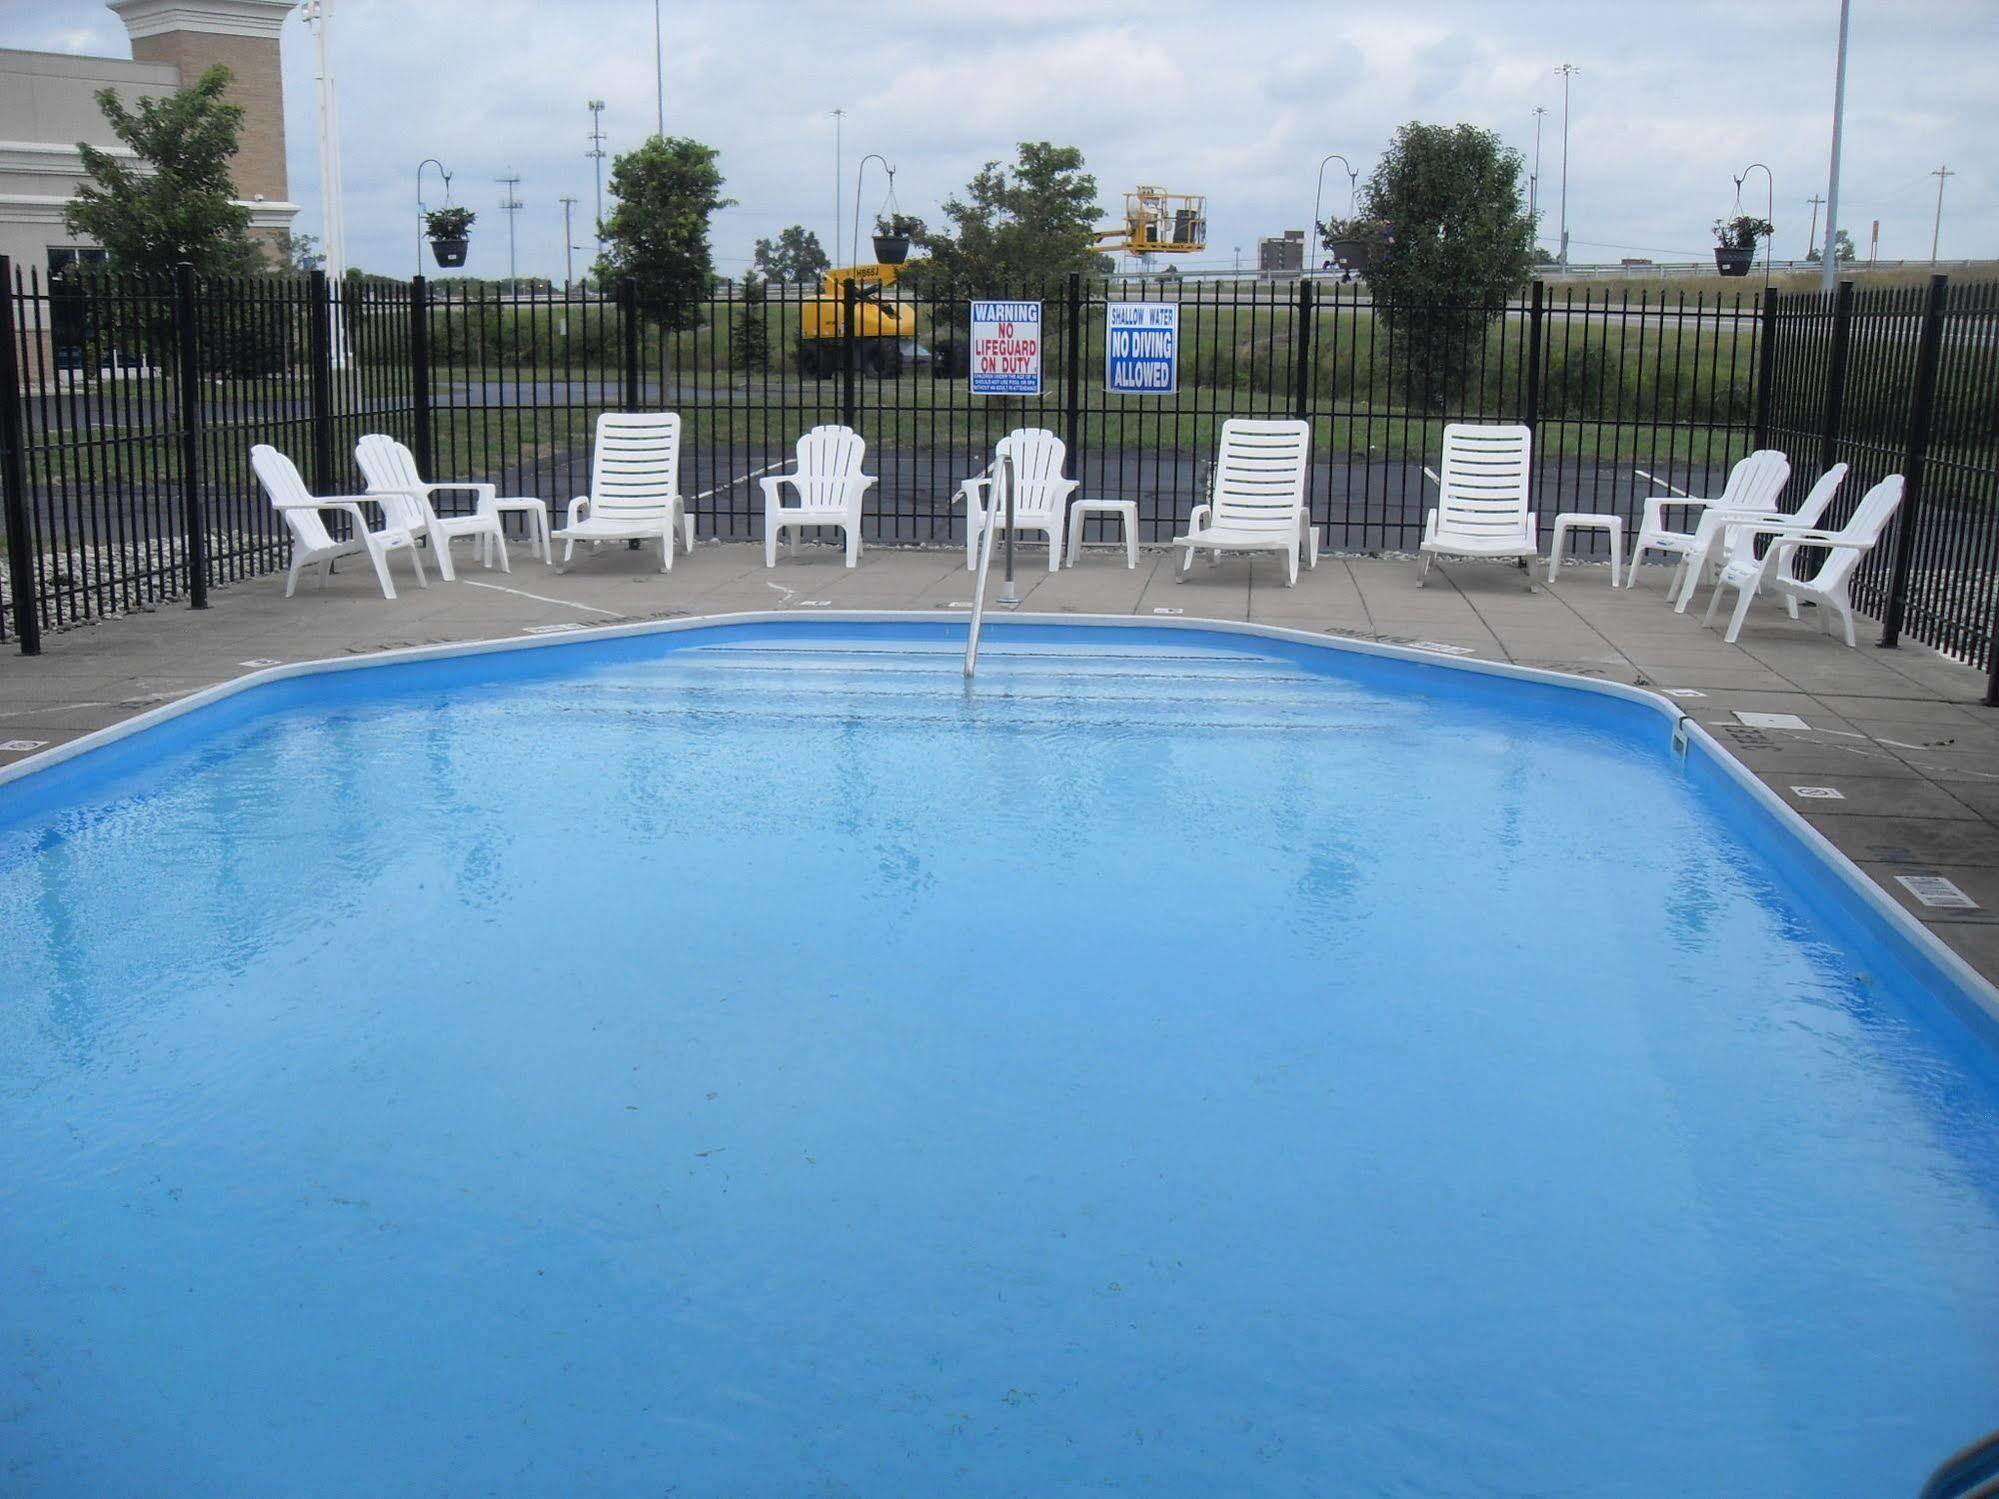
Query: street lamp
x=860, y=175
x=428, y=161
x=1769, y=209
x=1353, y=189
x=1568, y=70
x=1828, y=267
x=1534, y=182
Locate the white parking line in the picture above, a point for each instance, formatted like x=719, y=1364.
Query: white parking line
x=542, y=598
x=1662, y=483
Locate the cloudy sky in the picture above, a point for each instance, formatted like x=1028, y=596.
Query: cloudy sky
x=1240, y=101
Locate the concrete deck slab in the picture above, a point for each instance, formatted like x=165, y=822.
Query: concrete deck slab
x=1900, y=734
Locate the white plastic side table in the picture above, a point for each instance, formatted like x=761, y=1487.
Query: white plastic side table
x=1586, y=520
x=1125, y=510
x=536, y=512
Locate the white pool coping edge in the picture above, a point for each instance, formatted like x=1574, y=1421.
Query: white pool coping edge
x=1980, y=989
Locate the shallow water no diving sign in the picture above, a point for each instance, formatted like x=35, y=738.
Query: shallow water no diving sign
x=1936, y=892
x=1006, y=348
x=1142, y=349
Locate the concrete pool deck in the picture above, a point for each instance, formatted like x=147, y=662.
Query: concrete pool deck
x=1900, y=735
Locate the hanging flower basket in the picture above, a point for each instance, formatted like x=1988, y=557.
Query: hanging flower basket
x=891, y=249
x=1735, y=243
x=446, y=228
x=1732, y=261
x=893, y=234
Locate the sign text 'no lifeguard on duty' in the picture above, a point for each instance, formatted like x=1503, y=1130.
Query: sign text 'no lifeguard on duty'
x=1142, y=349
x=1006, y=348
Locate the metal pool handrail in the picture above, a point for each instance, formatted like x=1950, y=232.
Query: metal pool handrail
x=1967, y=1474
x=1002, y=484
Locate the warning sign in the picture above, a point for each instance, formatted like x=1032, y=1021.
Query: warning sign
x=1006, y=348
x=1142, y=349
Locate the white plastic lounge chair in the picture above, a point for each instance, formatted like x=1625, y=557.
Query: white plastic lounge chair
x=634, y=486
x=1827, y=588
x=830, y=488
x=1482, y=502
x=1040, y=493
x=1753, y=485
x=1256, y=497
x=390, y=469
x=312, y=543
x=1719, y=538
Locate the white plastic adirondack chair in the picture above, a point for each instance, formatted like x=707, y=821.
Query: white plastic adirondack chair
x=1720, y=536
x=390, y=469
x=1256, y=497
x=1040, y=493
x=1753, y=485
x=1482, y=497
x=830, y=488
x=634, y=486
x=1828, y=587
x=311, y=542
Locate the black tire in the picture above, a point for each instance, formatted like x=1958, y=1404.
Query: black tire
x=945, y=360
x=881, y=361
x=808, y=362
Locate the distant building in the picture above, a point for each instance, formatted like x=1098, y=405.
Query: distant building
x=48, y=104
x=1281, y=253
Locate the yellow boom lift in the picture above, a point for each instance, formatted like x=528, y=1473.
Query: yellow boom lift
x=1156, y=222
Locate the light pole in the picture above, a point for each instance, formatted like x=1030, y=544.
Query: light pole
x=428, y=161
x=659, y=65
x=1568, y=70
x=596, y=154
x=838, y=170
x=568, y=247
x=1353, y=190
x=860, y=175
x=1936, y=233
x=1828, y=271
x=332, y=217
x=1769, y=209
x=1534, y=182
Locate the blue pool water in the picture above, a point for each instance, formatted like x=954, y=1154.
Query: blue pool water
x=744, y=1062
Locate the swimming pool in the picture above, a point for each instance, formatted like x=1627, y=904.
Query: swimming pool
x=744, y=1060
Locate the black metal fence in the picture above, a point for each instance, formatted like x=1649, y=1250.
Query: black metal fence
x=125, y=454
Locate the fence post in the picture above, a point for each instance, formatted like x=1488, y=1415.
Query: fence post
x=1530, y=398
x=192, y=517
x=1835, y=377
x=321, y=315
x=14, y=474
x=1766, y=367
x=1072, y=380
x=850, y=351
x=1301, y=375
x=1922, y=412
x=628, y=318
x=420, y=375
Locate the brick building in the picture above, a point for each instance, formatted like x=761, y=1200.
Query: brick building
x=48, y=104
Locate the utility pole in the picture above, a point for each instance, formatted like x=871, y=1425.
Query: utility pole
x=1936, y=233
x=1812, y=239
x=1829, y=261
x=596, y=154
x=1568, y=70
x=568, y=246
x=511, y=205
x=1534, y=181
x=838, y=116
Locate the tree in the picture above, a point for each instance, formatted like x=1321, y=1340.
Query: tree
x=657, y=236
x=1456, y=243
x=175, y=202
x=1018, y=229
x=299, y=252
x=1842, y=249
x=797, y=259
x=752, y=330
